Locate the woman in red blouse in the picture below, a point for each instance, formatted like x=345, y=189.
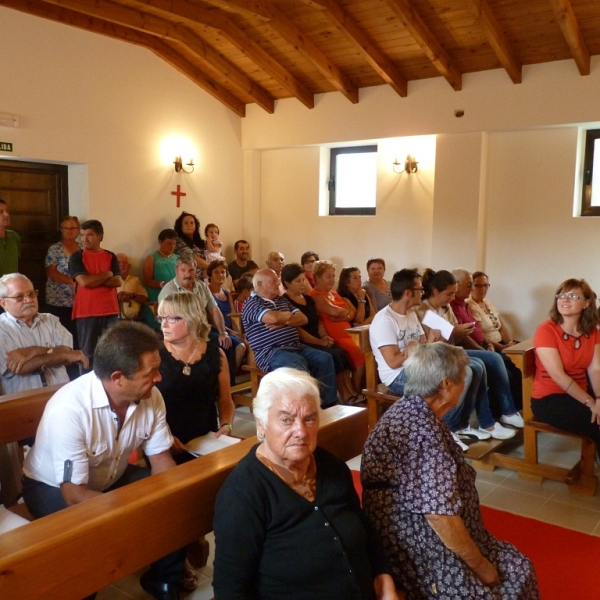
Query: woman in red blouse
x=567, y=353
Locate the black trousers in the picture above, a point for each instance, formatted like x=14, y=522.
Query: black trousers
x=564, y=412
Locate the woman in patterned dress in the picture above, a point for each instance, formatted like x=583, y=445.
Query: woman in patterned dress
x=420, y=495
x=60, y=288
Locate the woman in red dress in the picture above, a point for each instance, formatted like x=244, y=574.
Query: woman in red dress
x=337, y=317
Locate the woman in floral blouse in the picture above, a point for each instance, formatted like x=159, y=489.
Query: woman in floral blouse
x=60, y=288
x=420, y=495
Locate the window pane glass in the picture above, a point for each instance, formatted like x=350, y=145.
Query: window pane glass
x=356, y=180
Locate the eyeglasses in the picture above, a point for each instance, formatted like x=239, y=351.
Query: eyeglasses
x=563, y=296
x=421, y=290
x=482, y=285
x=71, y=228
x=21, y=297
x=169, y=320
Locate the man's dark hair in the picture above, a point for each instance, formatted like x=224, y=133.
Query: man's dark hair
x=167, y=234
x=121, y=347
x=94, y=225
x=3, y=202
x=237, y=244
x=403, y=280
x=245, y=282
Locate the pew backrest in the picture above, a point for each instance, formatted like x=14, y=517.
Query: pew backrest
x=84, y=548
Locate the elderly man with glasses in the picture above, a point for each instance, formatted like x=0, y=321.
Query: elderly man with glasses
x=34, y=349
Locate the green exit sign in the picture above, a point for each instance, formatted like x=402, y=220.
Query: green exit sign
x=5, y=147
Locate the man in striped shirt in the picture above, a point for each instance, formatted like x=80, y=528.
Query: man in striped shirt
x=270, y=322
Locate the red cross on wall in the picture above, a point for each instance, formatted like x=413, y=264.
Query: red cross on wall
x=178, y=193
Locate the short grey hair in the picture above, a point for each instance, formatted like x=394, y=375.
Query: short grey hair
x=429, y=364
x=186, y=259
x=4, y=280
x=460, y=274
x=281, y=383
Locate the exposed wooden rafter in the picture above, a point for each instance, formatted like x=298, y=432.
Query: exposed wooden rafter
x=570, y=28
x=278, y=21
x=194, y=14
x=379, y=61
x=114, y=30
x=260, y=51
x=432, y=48
x=497, y=40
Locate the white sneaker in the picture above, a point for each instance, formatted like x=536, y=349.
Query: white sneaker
x=500, y=433
x=470, y=433
x=462, y=446
x=515, y=420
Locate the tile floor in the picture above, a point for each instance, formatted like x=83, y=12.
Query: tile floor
x=502, y=489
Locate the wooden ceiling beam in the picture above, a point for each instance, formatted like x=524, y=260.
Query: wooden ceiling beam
x=379, y=61
x=569, y=26
x=497, y=40
x=194, y=14
x=288, y=31
x=429, y=44
x=119, y=32
x=151, y=24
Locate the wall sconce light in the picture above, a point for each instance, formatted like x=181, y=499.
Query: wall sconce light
x=179, y=165
x=410, y=165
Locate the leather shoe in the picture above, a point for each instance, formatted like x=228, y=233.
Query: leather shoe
x=159, y=589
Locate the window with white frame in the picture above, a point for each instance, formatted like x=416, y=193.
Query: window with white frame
x=590, y=196
x=353, y=180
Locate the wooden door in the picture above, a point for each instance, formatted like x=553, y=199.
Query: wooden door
x=37, y=195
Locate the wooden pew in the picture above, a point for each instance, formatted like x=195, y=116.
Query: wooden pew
x=580, y=478
x=20, y=413
x=84, y=548
x=378, y=399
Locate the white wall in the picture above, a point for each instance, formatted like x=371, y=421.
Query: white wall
x=499, y=197
x=105, y=108
x=400, y=232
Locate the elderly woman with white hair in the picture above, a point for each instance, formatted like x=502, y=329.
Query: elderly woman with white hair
x=288, y=522
x=419, y=493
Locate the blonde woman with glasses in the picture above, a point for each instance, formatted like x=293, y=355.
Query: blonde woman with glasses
x=195, y=374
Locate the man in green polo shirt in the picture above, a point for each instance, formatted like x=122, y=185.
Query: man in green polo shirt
x=10, y=243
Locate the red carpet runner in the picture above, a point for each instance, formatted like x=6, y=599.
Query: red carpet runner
x=567, y=563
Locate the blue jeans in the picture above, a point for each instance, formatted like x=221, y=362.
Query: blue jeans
x=458, y=417
x=499, y=394
x=318, y=364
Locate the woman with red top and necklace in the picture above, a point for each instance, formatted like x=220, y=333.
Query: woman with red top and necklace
x=567, y=353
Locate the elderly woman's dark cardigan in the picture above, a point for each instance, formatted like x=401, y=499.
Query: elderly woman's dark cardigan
x=273, y=544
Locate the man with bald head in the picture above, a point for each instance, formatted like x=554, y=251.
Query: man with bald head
x=276, y=262
x=270, y=322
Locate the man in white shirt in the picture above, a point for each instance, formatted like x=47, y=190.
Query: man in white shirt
x=395, y=330
x=91, y=426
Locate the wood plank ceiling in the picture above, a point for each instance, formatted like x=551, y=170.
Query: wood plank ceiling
x=243, y=51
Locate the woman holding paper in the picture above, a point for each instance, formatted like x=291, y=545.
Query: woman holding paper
x=195, y=374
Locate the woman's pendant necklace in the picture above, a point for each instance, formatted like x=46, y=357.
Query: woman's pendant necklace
x=187, y=370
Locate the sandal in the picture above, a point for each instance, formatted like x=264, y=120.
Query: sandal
x=189, y=580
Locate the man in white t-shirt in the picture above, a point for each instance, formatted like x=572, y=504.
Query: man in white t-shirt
x=396, y=328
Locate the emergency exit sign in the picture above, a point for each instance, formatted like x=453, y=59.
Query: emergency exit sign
x=6, y=147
